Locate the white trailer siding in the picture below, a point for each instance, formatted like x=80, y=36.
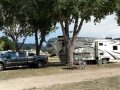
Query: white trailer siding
x=109, y=49
x=87, y=49
x=51, y=46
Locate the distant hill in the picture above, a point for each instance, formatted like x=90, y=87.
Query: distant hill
x=30, y=45
x=116, y=38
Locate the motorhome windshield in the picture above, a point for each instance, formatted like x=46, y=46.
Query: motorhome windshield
x=49, y=45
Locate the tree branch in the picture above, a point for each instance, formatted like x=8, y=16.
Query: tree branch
x=75, y=25
x=62, y=26
x=79, y=27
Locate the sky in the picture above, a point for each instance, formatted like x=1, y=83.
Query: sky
x=108, y=27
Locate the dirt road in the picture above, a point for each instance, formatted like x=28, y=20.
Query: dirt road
x=46, y=81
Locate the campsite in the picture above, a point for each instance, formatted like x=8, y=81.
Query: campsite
x=57, y=76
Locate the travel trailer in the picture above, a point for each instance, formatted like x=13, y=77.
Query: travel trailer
x=51, y=46
x=87, y=49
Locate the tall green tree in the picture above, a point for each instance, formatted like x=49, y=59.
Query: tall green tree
x=8, y=44
x=117, y=11
x=77, y=12
x=41, y=18
x=13, y=21
x=1, y=45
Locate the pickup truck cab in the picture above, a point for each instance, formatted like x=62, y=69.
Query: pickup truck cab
x=21, y=58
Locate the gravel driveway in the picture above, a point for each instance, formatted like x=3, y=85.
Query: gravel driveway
x=46, y=81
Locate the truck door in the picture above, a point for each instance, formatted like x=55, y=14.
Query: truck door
x=11, y=59
x=22, y=58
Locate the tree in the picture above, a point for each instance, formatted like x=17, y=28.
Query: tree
x=8, y=44
x=117, y=11
x=27, y=48
x=13, y=21
x=1, y=45
x=76, y=12
x=41, y=18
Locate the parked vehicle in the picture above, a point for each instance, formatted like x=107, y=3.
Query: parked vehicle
x=88, y=49
x=21, y=58
x=51, y=46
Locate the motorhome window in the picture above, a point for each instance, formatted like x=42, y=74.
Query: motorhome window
x=101, y=53
x=115, y=48
x=100, y=44
x=49, y=45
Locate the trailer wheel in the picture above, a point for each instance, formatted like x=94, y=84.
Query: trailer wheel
x=104, y=61
x=1, y=67
x=39, y=64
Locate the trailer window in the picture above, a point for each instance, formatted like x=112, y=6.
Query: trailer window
x=100, y=44
x=115, y=48
x=101, y=53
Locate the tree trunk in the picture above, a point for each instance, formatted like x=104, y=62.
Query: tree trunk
x=43, y=34
x=36, y=42
x=16, y=46
x=70, y=55
x=40, y=46
x=70, y=42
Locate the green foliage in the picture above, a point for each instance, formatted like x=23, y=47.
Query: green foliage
x=40, y=15
x=8, y=44
x=85, y=9
x=1, y=45
x=76, y=12
x=27, y=48
x=13, y=21
x=117, y=11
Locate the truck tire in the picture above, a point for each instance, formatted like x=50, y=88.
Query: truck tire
x=39, y=64
x=104, y=61
x=1, y=67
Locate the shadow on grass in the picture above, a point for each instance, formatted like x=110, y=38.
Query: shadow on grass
x=54, y=64
x=73, y=68
x=50, y=64
x=111, y=62
x=17, y=68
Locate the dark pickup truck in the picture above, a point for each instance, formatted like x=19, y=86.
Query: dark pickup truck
x=21, y=58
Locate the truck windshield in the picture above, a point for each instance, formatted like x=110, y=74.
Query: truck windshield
x=12, y=54
x=4, y=55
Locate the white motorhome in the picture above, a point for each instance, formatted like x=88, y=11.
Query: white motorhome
x=51, y=46
x=88, y=49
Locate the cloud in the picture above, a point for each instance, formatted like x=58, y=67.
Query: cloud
x=106, y=28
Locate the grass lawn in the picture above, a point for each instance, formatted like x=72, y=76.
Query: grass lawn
x=51, y=68
x=55, y=67
x=112, y=83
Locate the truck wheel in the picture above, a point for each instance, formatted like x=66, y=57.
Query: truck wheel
x=39, y=64
x=1, y=67
x=104, y=61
